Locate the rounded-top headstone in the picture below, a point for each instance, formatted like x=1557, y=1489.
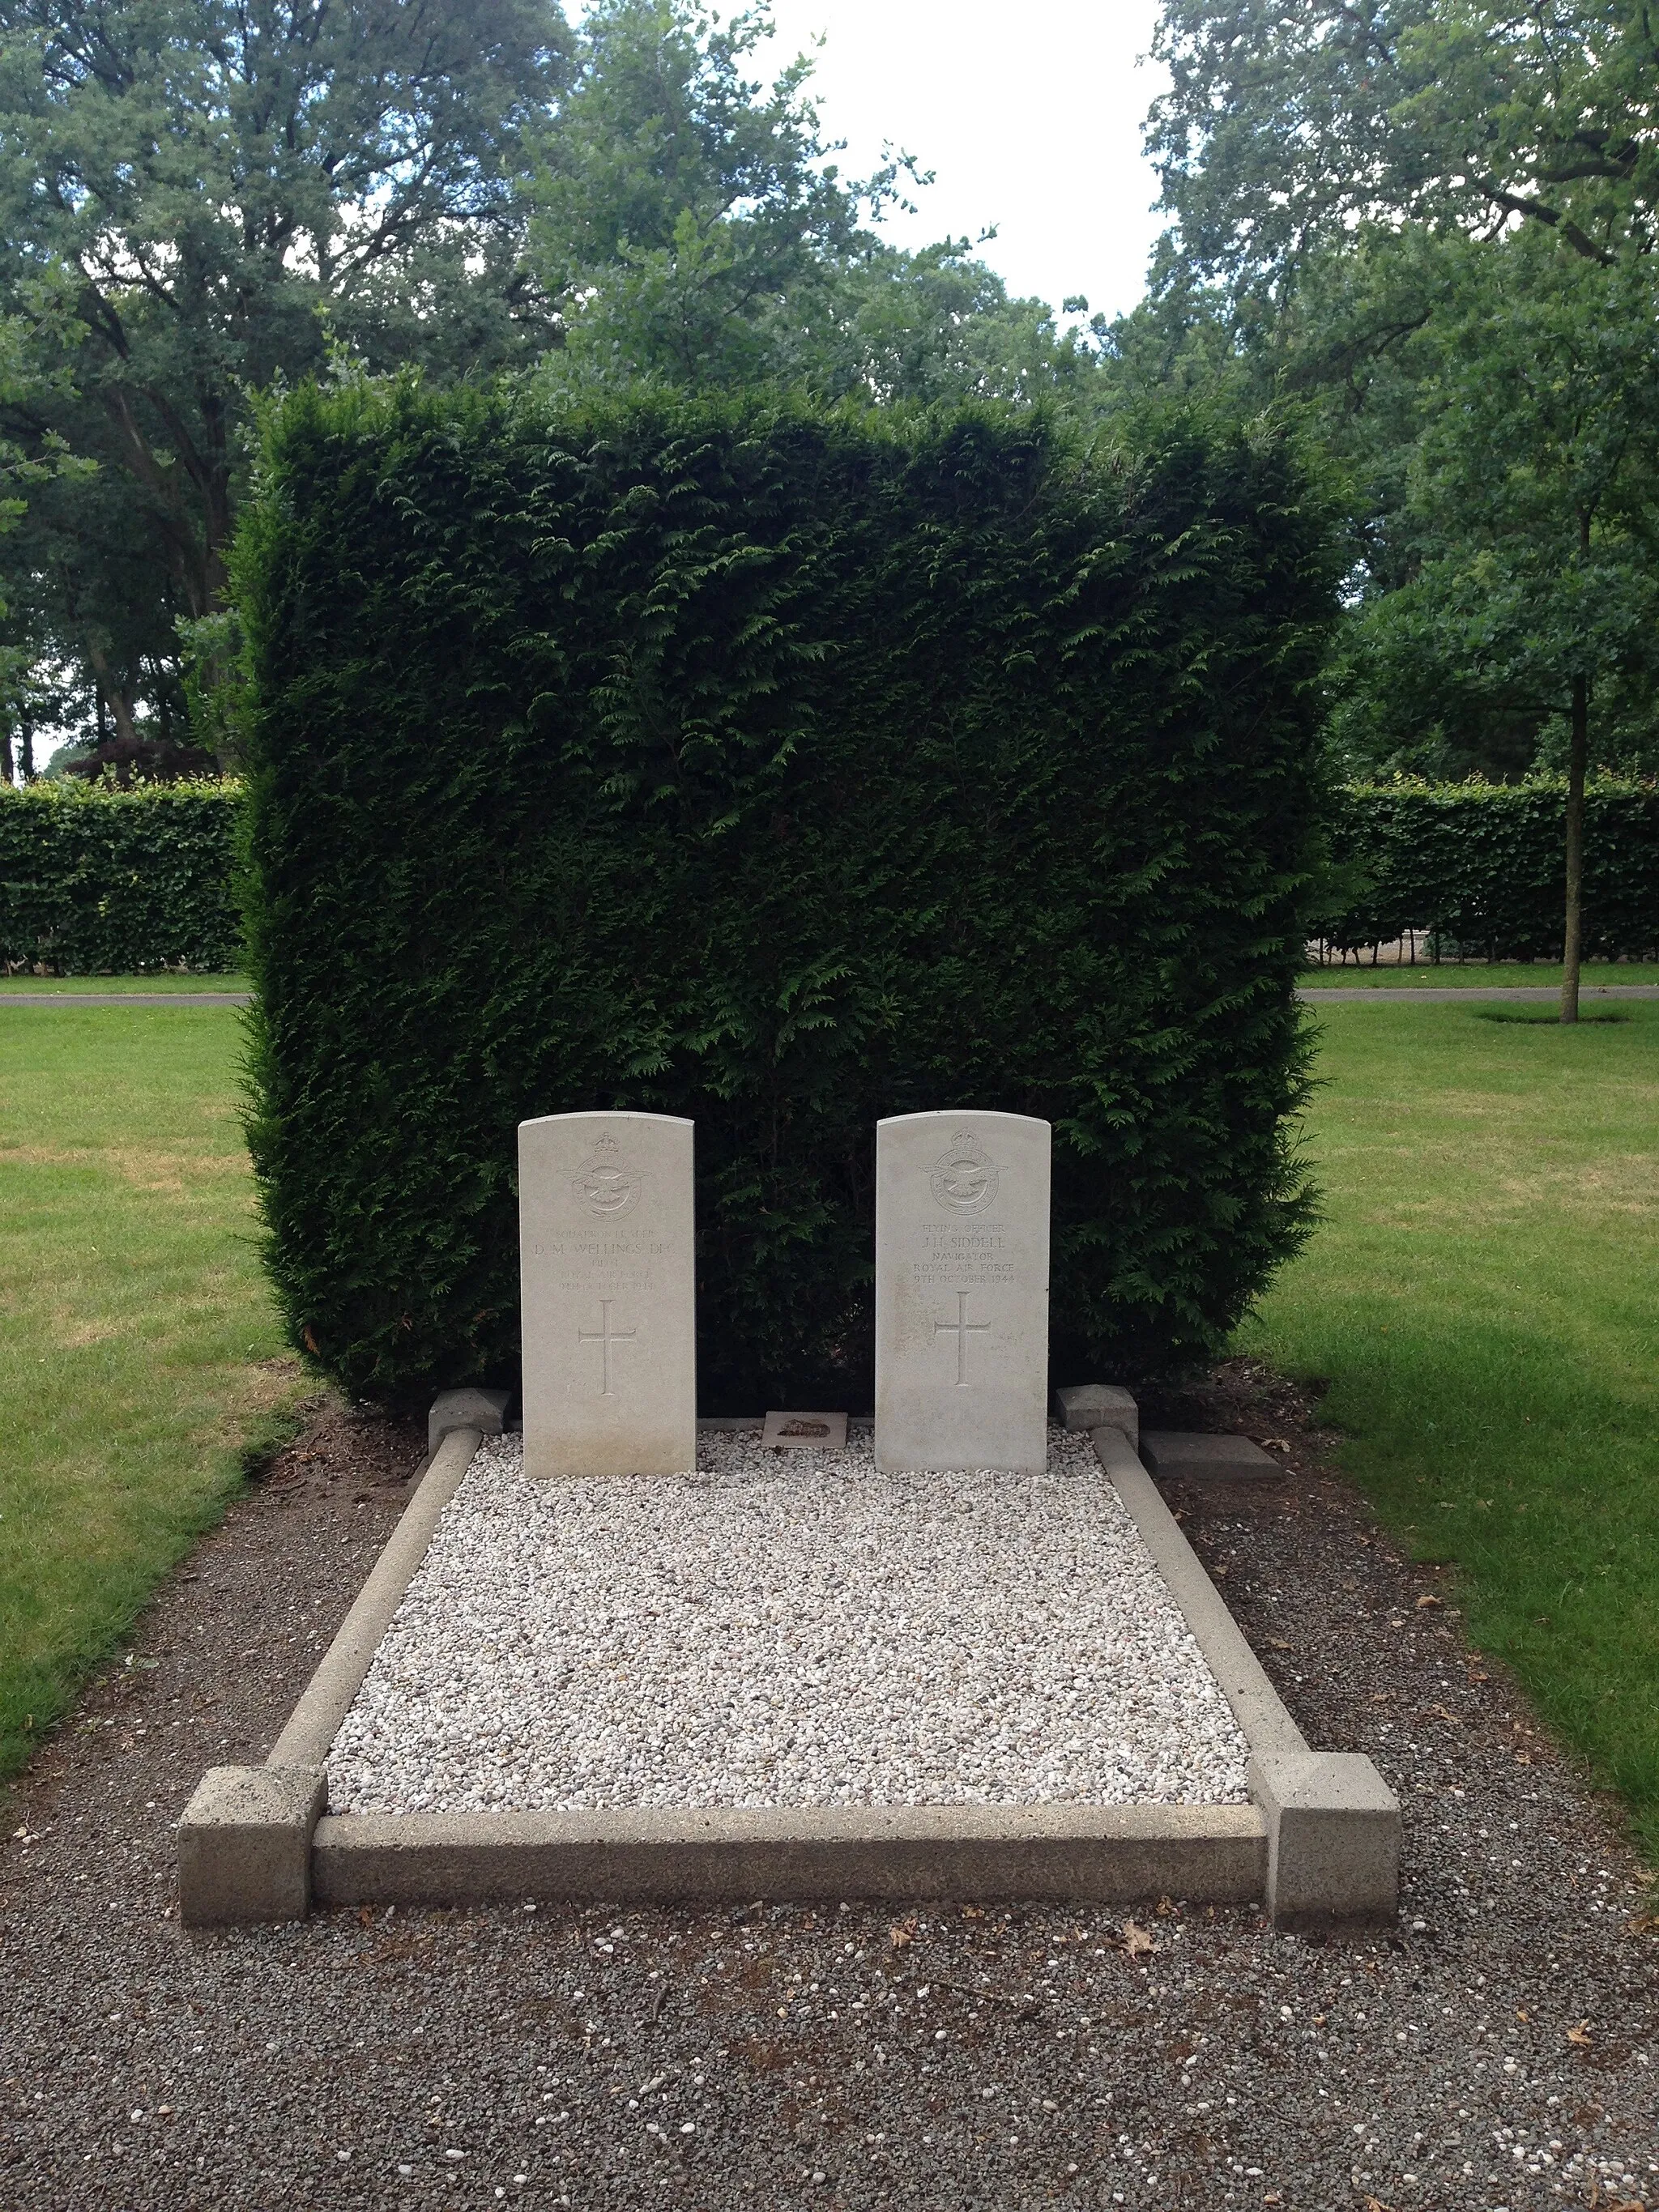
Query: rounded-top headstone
x=961, y=1291
x=608, y=1283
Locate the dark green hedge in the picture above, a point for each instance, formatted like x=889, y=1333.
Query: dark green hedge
x=97, y=881
x=1484, y=867
x=785, y=771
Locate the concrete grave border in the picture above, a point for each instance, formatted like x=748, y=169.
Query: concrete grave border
x=1319, y=1844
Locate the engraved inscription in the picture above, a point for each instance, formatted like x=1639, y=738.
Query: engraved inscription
x=963, y=1328
x=608, y=1265
x=606, y=1184
x=605, y=1336
x=964, y=1176
x=957, y=1259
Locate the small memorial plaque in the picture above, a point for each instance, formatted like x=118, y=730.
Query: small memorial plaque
x=608, y=1286
x=805, y=1432
x=961, y=1291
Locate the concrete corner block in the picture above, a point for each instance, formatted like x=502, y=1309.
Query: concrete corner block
x=244, y=1845
x=483, y=1410
x=1099, y=1406
x=1333, y=1838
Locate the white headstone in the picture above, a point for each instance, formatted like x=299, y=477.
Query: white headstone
x=961, y=1291
x=608, y=1282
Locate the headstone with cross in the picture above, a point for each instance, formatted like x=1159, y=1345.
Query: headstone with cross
x=608, y=1292
x=961, y=1291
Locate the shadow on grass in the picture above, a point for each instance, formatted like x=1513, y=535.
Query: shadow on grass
x=1481, y=1296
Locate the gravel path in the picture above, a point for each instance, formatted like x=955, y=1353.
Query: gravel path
x=962, y=2060
x=786, y=1628
x=125, y=998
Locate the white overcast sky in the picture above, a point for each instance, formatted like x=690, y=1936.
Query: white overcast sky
x=1029, y=115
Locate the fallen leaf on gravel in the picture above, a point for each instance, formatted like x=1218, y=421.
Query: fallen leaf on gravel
x=1581, y=2034
x=1376, y=2204
x=1441, y=1713
x=1138, y=1940
x=1275, y=1444
x=1277, y=1643
x=1424, y=1603
x=1520, y=2012
x=902, y=1932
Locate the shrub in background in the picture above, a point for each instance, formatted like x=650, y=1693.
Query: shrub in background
x=1483, y=865
x=784, y=770
x=98, y=881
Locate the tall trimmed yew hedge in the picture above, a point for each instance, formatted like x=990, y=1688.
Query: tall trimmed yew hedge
x=784, y=770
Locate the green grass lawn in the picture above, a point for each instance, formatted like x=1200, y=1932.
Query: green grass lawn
x=1455, y=976
x=1484, y=1298
x=170, y=980
x=138, y=1353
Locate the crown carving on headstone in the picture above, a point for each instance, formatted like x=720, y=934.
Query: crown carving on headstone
x=602, y=1145
x=963, y=1137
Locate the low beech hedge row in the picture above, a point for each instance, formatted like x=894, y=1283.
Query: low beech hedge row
x=1483, y=866
x=97, y=881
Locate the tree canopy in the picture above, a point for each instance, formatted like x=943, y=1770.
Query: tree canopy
x=1529, y=503
x=1429, y=224
x=206, y=198
x=1426, y=225
x=195, y=194
x=1290, y=123
x=696, y=230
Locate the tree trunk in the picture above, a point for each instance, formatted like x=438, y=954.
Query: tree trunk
x=1577, y=760
x=119, y=704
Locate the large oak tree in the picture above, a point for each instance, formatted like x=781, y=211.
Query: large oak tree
x=194, y=196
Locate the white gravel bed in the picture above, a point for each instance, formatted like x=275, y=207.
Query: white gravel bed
x=786, y=1629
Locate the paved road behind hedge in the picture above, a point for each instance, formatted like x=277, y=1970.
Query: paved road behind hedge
x=1409, y=992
